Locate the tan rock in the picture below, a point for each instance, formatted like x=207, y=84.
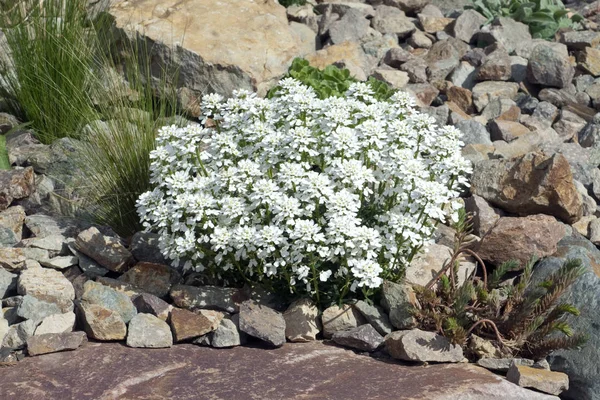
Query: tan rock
x=101, y=323
x=15, y=184
x=462, y=97
x=54, y=342
x=336, y=319
x=418, y=345
x=155, y=279
x=544, y=381
x=427, y=264
x=433, y=24
x=56, y=323
x=483, y=348
x=13, y=218
x=396, y=79
x=188, y=325
x=506, y=130
x=348, y=54
x=483, y=92
x=106, y=250
x=589, y=59
x=47, y=285
x=583, y=225
x=301, y=321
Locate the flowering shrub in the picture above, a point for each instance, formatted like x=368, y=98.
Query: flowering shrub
x=318, y=196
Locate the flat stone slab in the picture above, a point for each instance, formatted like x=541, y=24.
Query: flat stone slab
x=295, y=371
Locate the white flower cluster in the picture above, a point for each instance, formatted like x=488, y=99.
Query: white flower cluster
x=339, y=192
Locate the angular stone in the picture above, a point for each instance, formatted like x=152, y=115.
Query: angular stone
x=579, y=40
x=549, y=66
x=484, y=92
x=425, y=266
x=44, y=225
x=262, y=323
x=439, y=114
x=89, y=267
x=518, y=68
x=559, y=97
x=533, y=183
x=539, y=379
x=61, y=262
x=396, y=79
x=416, y=69
x=391, y=20
x=144, y=247
x=463, y=75
x=336, y=319
x=228, y=333
x=15, y=184
x=364, y=338
x=54, y=342
x=301, y=321
x=399, y=300
x=503, y=364
x=484, y=215
x=519, y=239
x=498, y=107
x=546, y=112
x=101, y=323
x=419, y=40
x=156, y=279
x=96, y=293
x=150, y=304
x=569, y=125
x=348, y=54
x=107, y=251
x=589, y=60
x=467, y=24
x=13, y=219
x=442, y=59
x=54, y=244
x=506, y=130
x=418, y=345
x=423, y=92
x=4, y=326
x=8, y=283
x=461, y=97
x=351, y=27
x=146, y=330
x=47, y=285
x=209, y=297
x=505, y=31
x=17, y=335
x=56, y=323
x=482, y=347
x=375, y=316
x=409, y=6
x=35, y=309
x=496, y=66
x=473, y=132
x=187, y=325
x=433, y=24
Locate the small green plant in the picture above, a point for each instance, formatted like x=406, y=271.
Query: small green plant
x=522, y=320
x=289, y=3
x=331, y=81
x=4, y=164
x=544, y=17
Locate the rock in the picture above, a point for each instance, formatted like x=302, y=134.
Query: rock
x=364, y=338
x=484, y=215
x=352, y=27
x=560, y=98
x=519, y=239
x=47, y=285
x=146, y=330
x=44, y=225
x=301, y=321
x=375, y=316
x=467, y=24
x=539, y=379
x=156, y=279
x=107, y=251
x=419, y=40
x=501, y=108
x=423, y=92
x=56, y=323
x=425, y=265
x=505, y=31
x=187, y=325
x=7, y=237
x=518, y=68
x=12, y=219
x=484, y=92
x=15, y=184
x=569, y=125
x=149, y=304
x=3, y=329
x=89, y=267
x=533, y=183
x=209, y=297
x=54, y=342
x=10, y=314
x=439, y=114
x=122, y=287
x=503, y=364
x=60, y=263
x=463, y=75
x=550, y=67
x=262, y=323
x=36, y=310
x=496, y=66
x=253, y=60
x=409, y=6
x=443, y=57
x=473, y=132
x=144, y=247
x=594, y=231
x=589, y=60
x=96, y=293
x=416, y=69
x=579, y=40
x=228, y=333
x=397, y=56
x=17, y=335
x=418, y=345
x=546, y=112
x=399, y=301
x=433, y=24
x=101, y=323
x=461, y=97
x=474, y=57
x=336, y=319
x=506, y=130
x=8, y=283
x=391, y=20
x=348, y=54
x=396, y=79
x=483, y=348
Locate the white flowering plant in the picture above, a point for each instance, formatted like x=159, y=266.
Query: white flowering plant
x=320, y=197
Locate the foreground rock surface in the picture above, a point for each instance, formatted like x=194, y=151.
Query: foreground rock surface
x=290, y=372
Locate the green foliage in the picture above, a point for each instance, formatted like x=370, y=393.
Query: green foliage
x=331, y=81
x=288, y=3
x=524, y=320
x=4, y=164
x=544, y=17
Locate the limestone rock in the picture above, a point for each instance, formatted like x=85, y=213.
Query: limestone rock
x=364, y=338
x=519, y=239
x=186, y=324
x=399, y=300
x=210, y=297
x=54, y=342
x=101, y=323
x=262, y=323
x=418, y=345
x=539, y=379
x=146, y=330
x=336, y=319
x=427, y=264
x=61, y=262
x=301, y=321
x=549, y=66
x=47, y=285
x=156, y=279
x=96, y=293
x=107, y=251
x=375, y=316
x=56, y=323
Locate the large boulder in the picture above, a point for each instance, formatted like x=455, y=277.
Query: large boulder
x=217, y=46
x=550, y=66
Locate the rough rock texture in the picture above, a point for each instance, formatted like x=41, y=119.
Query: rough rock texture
x=399, y=300
x=56, y=323
x=539, y=379
x=418, y=345
x=35, y=309
x=262, y=323
x=228, y=333
x=533, y=183
x=289, y=372
x=210, y=297
x=364, y=338
x=484, y=215
x=150, y=304
x=54, y=342
x=96, y=293
x=550, y=66
x=467, y=24
x=47, y=285
x=375, y=316
x=301, y=321
x=15, y=184
x=503, y=364
x=107, y=251
x=101, y=323
x=186, y=324
x=426, y=265
x=17, y=334
x=155, y=279
x=348, y=54
x=521, y=238
x=146, y=330
x=144, y=247
x=336, y=319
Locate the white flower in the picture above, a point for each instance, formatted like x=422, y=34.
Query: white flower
x=324, y=275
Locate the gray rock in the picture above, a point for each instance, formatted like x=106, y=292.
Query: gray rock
x=4, y=326
x=54, y=244
x=484, y=215
x=419, y=40
x=17, y=335
x=8, y=283
x=473, y=132
x=440, y=114
x=463, y=75
x=418, y=345
x=146, y=330
x=343, y=318
x=56, y=323
x=107, y=251
x=391, y=20
x=579, y=40
x=301, y=321
x=518, y=68
x=569, y=125
x=144, y=247
x=262, y=323
x=228, y=333
x=353, y=26
x=61, y=262
x=156, y=279
x=397, y=56
x=89, y=267
x=399, y=300
x=416, y=68
x=484, y=92
x=503, y=364
x=54, y=342
x=496, y=107
x=36, y=310
x=7, y=237
x=496, y=66
x=443, y=57
x=505, y=31
x=560, y=98
x=208, y=297
x=549, y=66
x=364, y=338
x=589, y=136
x=546, y=112
x=150, y=304
x=410, y=6
x=12, y=219
x=375, y=316
x=527, y=103
x=467, y=24
x=101, y=323
x=96, y=293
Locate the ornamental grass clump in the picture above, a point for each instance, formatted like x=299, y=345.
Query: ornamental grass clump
x=307, y=196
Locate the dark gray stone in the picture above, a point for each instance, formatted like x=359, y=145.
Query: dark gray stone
x=144, y=247
x=375, y=316
x=364, y=338
x=262, y=323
